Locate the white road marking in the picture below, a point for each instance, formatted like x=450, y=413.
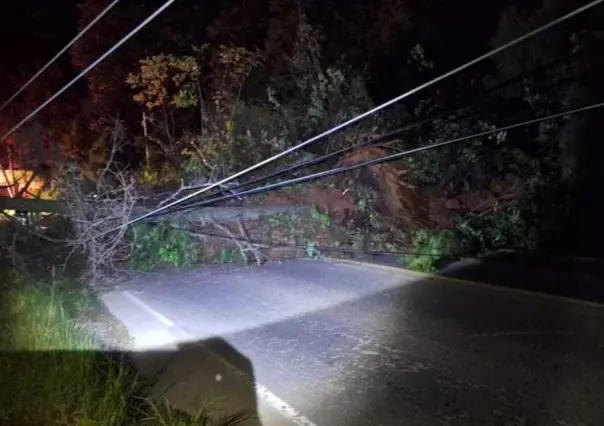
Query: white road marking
x=263, y=394
x=282, y=407
x=161, y=318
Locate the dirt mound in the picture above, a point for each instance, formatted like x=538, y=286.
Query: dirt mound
x=445, y=210
x=398, y=201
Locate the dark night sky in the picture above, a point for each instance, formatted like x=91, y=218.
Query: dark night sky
x=31, y=33
x=35, y=29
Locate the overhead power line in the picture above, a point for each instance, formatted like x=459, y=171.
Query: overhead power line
x=71, y=43
x=394, y=132
x=359, y=117
x=90, y=67
x=380, y=160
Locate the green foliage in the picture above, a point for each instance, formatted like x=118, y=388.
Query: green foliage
x=161, y=245
x=425, y=167
x=233, y=130
x=321, y=217
x=431, y=249
x=359, y=241
x=192, y=163
x=170, y=88
x=324, y=96
x=52, y=373
x=540, y=159
x=457, y=167
x=260, y=197
x=225, y=106
x=66, y=382
x=336, y=95
x=225, y=256
x=167, y=414
x=504, y=227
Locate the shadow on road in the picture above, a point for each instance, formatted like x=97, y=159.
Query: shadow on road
x=455, y=354
x=204, y=370
x=575, y=278
x=84, y=385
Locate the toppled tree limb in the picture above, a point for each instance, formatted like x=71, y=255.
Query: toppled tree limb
x=201, y=234
x=243, y=244
x=93, y=222
x=228, y=214
x=239, y=243
x=257, y=254
x=201, y=214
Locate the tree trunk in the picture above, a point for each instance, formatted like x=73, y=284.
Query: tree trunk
x=204, y=213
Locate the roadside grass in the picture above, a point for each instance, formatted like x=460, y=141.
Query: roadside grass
x=49, y=370
x=53, y=373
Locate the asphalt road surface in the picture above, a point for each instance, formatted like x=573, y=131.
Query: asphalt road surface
x=350, y=345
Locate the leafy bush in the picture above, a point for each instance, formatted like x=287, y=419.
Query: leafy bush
x=320, y=217
x=431, y=249
x=161, y=245
x=475, y=235
x=503, y=228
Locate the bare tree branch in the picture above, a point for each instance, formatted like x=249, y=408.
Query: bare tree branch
x=252, y=248
x=239, y=243
x=111, y=207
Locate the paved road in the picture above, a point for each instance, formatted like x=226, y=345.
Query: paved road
x=348, y=345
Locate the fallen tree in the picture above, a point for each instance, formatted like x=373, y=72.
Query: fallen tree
x=230, y=213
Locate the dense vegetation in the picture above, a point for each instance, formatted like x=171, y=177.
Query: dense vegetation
x=204, y=84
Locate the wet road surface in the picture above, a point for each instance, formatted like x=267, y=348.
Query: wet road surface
x=349, y=345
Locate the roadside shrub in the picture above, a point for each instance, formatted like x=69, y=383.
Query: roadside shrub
x=161, y=245
x=504, y=227
x=431, y=249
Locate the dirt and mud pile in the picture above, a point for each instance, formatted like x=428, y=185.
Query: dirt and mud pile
x=398, y=202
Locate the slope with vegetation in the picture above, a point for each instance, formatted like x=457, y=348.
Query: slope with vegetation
x=250, y=80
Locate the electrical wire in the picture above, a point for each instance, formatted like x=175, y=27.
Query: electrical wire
x=359, y=117
x=71, y=43
x=380, y=160
x=392, y=133
x=90, y=67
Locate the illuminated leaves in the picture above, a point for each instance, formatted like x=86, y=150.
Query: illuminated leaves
x=166, y=79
